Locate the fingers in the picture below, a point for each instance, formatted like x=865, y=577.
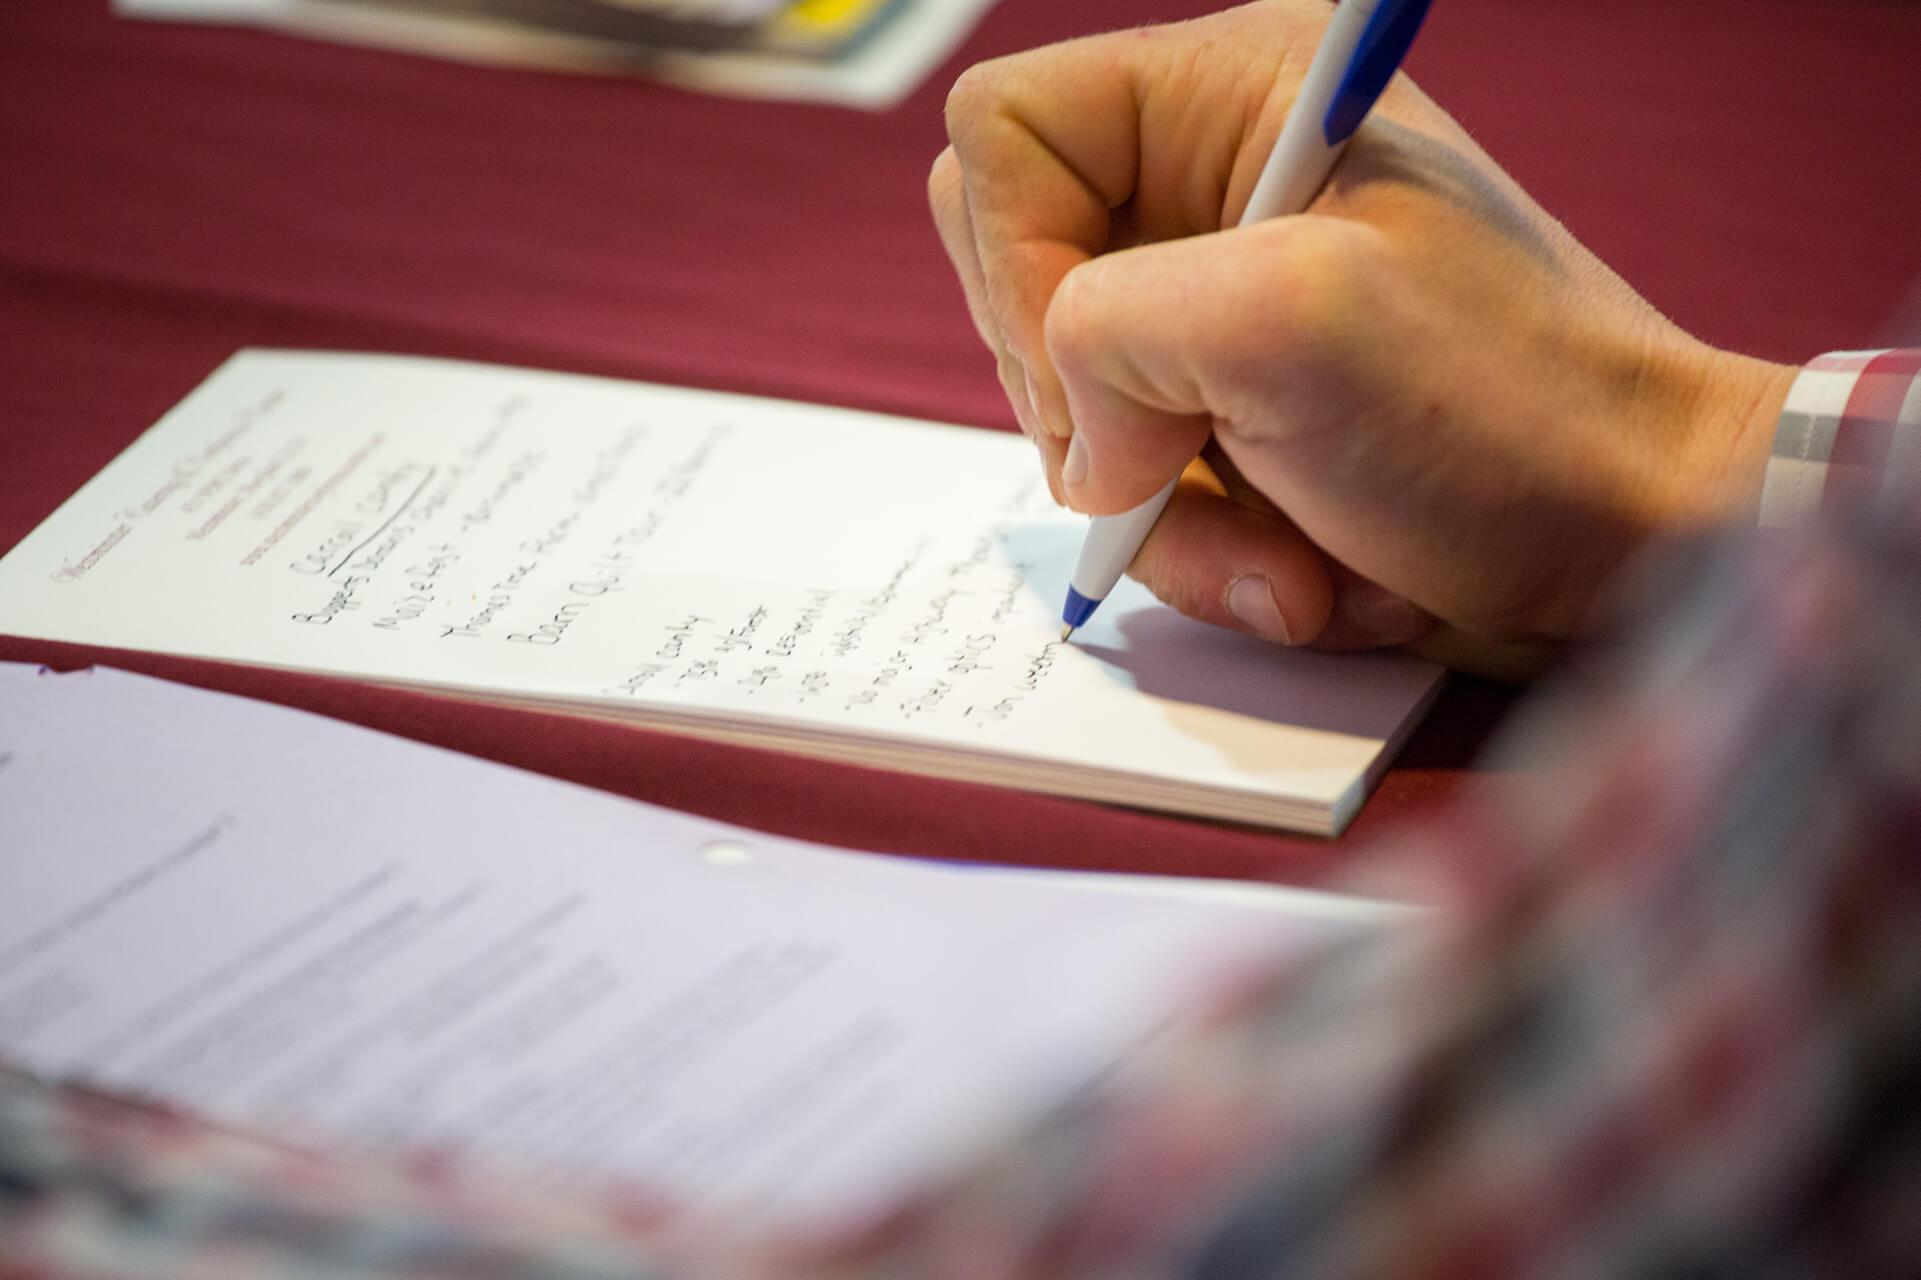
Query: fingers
x=1160, y=345
x=1045, y=146
x=1235, y=566
x=1243, y=565
x=1064, y=152
x=948, y=199
x=1367, y=615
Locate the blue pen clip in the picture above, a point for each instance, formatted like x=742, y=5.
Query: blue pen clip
x=1382, y=46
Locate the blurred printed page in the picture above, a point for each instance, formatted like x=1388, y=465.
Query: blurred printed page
x=857, y=53
x=342, y=936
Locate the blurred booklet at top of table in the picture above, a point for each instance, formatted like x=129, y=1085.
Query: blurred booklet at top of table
x=859, y=53
x=817, y=580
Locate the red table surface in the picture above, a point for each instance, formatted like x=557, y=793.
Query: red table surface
x=169, y=194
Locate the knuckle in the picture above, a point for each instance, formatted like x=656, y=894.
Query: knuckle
x=1307, y=276
x=975, y=94
x=1073, y=311
x=1315, y=273
x=1180, y=590
x=1177, y=580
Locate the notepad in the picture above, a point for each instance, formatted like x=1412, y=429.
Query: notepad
x=817, y=580
x=346, y=938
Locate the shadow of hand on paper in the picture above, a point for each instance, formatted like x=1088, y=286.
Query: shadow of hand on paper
x=1173, y=657
x=1140, y=642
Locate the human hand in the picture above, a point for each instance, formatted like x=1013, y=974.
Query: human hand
x=1431, y=418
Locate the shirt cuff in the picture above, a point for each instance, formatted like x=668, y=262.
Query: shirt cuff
x=1851, y=424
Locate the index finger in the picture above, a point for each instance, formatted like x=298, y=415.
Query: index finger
x=1039, y=191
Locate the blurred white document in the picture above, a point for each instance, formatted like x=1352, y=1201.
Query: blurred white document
x=347, y=937
x=819, y=580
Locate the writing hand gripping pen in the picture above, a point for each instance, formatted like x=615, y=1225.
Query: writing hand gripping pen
x=1362, y=48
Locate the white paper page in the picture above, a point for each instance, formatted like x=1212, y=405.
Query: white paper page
x=335, y=934
x=707, y=559
x=875, y=76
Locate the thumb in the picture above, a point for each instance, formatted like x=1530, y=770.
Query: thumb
x=1151, y=343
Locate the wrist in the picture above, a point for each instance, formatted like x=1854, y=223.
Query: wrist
x=1729, y=435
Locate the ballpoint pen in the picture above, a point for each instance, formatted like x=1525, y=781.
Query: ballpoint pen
x=1363, y=46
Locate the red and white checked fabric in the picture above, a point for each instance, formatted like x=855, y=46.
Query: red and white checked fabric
x=1851, y=426
x=1670, y=1024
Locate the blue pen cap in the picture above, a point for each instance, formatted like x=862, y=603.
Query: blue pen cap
x=1383, y=44
x=1078, y=609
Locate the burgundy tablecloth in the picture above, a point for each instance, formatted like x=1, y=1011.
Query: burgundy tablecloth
x=168, y=194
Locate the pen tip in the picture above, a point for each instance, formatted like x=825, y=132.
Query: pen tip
x=1067, y=632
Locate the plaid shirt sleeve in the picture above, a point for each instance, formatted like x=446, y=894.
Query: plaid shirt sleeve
x=1852, y=424
x=1668, y=1021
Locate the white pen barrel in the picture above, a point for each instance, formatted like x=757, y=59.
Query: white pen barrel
x=1111, y=545
x=1302, y=159
x=1295, y=170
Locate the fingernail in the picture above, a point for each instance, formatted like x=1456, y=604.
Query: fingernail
x=1020, y=392
x=1024, y=416
x=1251, y=600
x=1074, y=469
x=1047, y=465
x=1383, y=615
x=1034, y=403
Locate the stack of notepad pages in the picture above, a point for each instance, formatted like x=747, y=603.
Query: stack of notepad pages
x=823, y=581
x=865, y=53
